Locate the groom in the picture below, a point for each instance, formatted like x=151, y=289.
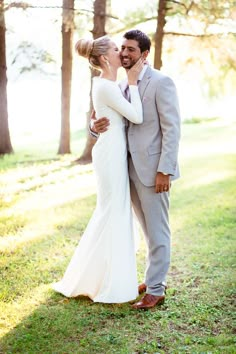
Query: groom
x=152, y=157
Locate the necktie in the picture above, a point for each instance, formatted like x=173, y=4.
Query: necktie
x=127, y=93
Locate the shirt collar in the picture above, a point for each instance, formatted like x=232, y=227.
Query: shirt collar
x=141, y=75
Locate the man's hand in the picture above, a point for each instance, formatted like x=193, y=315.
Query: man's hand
x=100, y=125
x=162, y=183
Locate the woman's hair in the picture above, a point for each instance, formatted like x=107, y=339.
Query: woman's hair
x=93, y=49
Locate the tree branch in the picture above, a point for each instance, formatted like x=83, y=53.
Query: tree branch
x=131, y=24
x=187, y=8
x=199, y=35
x=21, y=5
x=25, y=5
x=202, y=35
x=178, y=3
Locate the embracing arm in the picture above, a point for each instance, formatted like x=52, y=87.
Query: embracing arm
x=112, y=96
x=91, y=127
x=168, y=109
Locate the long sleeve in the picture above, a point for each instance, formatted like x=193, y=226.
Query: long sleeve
x=111, y=95
x=168, y=108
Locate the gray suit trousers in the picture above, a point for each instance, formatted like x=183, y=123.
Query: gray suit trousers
x=151, y=210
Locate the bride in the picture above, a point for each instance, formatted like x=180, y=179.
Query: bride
x=103, y=266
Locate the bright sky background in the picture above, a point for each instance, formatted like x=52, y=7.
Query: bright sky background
x=121, y=7
x=34, y=99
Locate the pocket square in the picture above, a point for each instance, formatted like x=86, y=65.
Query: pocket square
x=145, y=99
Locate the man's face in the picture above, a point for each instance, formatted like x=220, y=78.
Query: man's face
x=130, y=53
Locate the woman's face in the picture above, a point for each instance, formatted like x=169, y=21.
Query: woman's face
x=113, y=55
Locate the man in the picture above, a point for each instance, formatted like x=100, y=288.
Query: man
x=152, y=150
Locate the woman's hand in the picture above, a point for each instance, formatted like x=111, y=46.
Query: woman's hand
x=134, y=72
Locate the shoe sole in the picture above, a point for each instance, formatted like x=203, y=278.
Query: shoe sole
x=151, y=307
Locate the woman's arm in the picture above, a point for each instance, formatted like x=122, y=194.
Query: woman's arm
x=112, y=96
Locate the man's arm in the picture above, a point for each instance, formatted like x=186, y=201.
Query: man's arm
x=100, y=125
x=168, y=108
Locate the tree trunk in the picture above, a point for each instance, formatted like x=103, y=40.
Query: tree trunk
x=5, y=141
x=159, y=33
x=99, y=22
x=66, y=73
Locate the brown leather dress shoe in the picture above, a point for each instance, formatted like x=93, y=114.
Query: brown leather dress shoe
x=148, y=301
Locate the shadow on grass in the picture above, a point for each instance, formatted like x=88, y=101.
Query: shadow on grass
x=196, y=317
x=78, y=325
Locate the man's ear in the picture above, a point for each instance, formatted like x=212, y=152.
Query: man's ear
x=145, y=54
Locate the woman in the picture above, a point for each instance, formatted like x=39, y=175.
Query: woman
x=103, y=266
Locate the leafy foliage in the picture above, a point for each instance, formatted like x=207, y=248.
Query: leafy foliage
x=29, y=58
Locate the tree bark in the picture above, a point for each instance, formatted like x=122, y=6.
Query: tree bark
x=99, y=22
x=159, y=33
x=66, y=74
x=5, y=140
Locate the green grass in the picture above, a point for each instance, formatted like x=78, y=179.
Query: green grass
x=44, y=208
x=197, y=120
x=39, y=149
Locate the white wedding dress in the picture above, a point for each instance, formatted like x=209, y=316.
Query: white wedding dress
x=103, y=266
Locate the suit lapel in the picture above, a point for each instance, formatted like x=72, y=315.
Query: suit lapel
x=142, y=85
x=144, y=82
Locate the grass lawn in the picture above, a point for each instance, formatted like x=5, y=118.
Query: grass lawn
x=45, y=204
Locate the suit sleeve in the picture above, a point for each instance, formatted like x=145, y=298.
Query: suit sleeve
x=168, y=109
x=113, y=98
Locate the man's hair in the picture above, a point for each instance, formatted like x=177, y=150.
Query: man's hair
x=143, y=40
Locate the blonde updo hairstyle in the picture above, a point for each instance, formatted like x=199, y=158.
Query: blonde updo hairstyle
x=93, y=49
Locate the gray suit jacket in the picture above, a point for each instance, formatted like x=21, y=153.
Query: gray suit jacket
x=154, y=144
